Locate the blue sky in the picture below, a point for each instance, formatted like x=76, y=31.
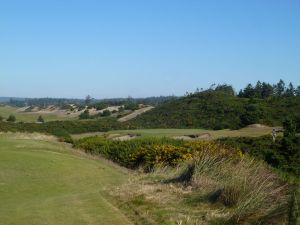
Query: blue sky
x=113, y=48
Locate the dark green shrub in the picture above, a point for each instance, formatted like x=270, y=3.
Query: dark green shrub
x=284, y=154
x=11, y=118
x=40, y=119
x=85, y=115
x=106, y=113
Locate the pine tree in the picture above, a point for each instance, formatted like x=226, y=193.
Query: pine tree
x=290, y=91
x=280, y=88
x=267, y=90
x=40, y=119
x=11, y=118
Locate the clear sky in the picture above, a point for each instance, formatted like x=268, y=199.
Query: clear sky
x=111, y=48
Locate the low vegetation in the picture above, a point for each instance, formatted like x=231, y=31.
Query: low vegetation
x=210, y=190
x=133, y=153
x=283, y=154
x=205, y=182
x=63, y=129
x=203, y=175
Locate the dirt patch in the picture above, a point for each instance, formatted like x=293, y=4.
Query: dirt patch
x=257, y=125
x=190, y=137
x=135, y=113
x=112, y=136
x=125, y=137
x=22, y=109
x=205, y=136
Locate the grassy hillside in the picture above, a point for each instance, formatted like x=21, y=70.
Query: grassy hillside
x=44, y=182
x=5, y=111
x=218, y=110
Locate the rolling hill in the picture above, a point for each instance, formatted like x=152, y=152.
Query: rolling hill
x=219, y=110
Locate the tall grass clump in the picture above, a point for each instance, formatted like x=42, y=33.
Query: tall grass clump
x=245, y=186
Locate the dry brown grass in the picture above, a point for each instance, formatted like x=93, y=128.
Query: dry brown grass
x=30, y=136
x=209, y=190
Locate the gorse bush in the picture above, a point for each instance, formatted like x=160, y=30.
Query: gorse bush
x=132, y=153
x=11, y=118
x=151, y=155
x=149, y=152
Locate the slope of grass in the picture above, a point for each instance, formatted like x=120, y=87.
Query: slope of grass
x=43, y=182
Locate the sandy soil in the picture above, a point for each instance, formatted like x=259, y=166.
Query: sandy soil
x=205, y=136
x=57, y=111
x=135, y=113
x=257, y=125
x=94, y=111
x=125, y=137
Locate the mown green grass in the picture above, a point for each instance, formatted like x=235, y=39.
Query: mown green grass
x=44, y=182
x=5, y=111
x=244, y=132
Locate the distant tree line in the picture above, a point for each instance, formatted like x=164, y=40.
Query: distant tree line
x=259, y=90
x=265, y=90
x=130, y=100
x=64, y=103
x=43, y=102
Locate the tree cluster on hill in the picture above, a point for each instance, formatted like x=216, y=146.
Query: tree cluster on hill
x=219, y=108
x=265, y=90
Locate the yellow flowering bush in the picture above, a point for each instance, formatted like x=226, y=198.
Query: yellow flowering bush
x=172, y=155
x=199, y=148
x=155, y=154
x=149, y=152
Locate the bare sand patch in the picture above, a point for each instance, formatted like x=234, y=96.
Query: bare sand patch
x=125, y=137
x=257, y=125
x=135, y=113
x=190, y=137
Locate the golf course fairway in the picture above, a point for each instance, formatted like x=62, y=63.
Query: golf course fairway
x=46, y=182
